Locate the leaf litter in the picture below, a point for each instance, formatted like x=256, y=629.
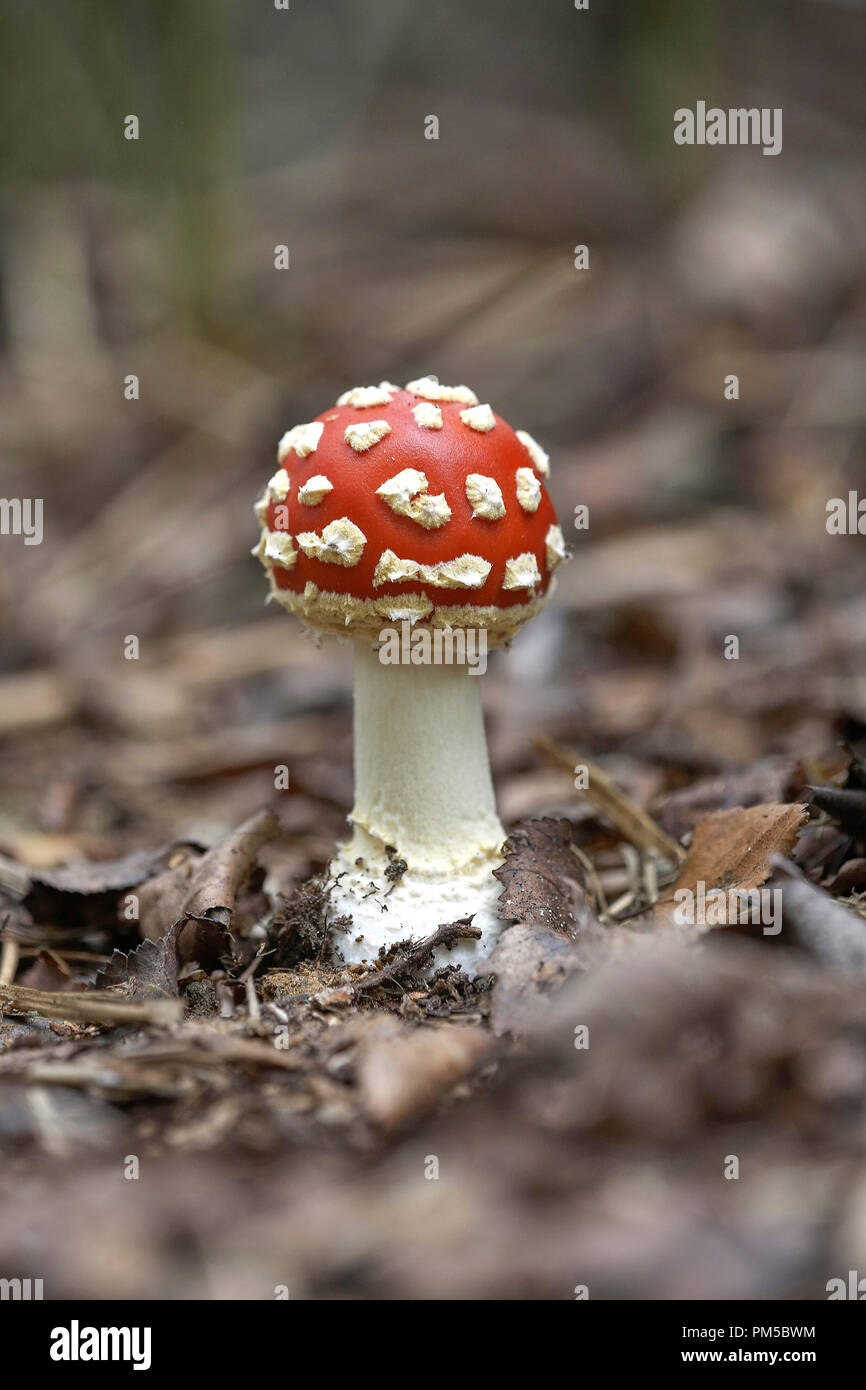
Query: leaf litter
x=408, y=1040
x=218, y=1024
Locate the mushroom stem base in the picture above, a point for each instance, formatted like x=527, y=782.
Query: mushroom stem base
x=385, y=909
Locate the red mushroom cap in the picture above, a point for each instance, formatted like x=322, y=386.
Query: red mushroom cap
x=416, y=503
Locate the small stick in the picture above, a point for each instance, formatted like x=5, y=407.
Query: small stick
x=592, y=877
x=13, y=876
x=622, y=902
x=651, y=880
x=402, y=965
x=63, y=956
x=630, y=820
x=253, y=1006
x=9, y=957
x=248, y=981
x=90, y=1006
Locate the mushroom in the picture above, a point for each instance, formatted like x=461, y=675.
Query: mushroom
x=416, y=512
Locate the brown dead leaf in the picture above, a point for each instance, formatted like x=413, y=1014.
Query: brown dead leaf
x=151, y=970
x=732, y=850
x=88, y=876
x=206, y=887
x=224, y=871
x=542, y=880
x=83, y=895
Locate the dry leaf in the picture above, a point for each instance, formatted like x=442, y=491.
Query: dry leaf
x=151, y=970
x=89, y=876
x=206, y=887
x=83, y=895
x=732, y=850
x=543, y=880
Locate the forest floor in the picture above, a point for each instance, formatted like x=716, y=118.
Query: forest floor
x=195, y=1102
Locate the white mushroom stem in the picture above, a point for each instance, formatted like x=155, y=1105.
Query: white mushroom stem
x=422, y=775
x=423, y=788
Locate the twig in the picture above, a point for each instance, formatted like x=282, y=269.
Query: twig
x=592, y=878
x=651, y=880
x=90, y=1006
x=248, y=981
x=157, y=1069
x=13, y=876
x=253, y=1007
x=228, y=1047
x=86, y=1072
x=9, y=957
x=630, y=820
x=401, y=965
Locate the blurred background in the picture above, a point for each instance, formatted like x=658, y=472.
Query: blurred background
x=306, y=128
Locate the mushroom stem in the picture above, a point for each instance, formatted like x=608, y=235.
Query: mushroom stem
x=422, y=774
x=426, y=836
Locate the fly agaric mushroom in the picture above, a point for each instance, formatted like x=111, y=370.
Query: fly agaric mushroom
x=424, y=509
